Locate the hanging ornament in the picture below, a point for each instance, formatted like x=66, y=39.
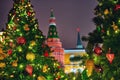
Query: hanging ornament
x=97, y=50
x=14, y=63
x=28, y=13
x=30, y=56
x=110, y=56
x=19, y=48
x=26, y=27
x=29, y=69
x=41, y=78
x=98, y=28
x=106, y=11
x=45, y=68
x=115, y=27
x=21, y=40
x=11, y=44
x=117, y=7
x=98, y=69
x=32, y=43
x=14, y=28
x=1, y=56
x=46, y=54
x=9, y=52
x=89, y=66
x=2, y=65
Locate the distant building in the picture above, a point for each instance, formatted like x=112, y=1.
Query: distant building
x=53, y=41
x=72, y=57
x=1, y=33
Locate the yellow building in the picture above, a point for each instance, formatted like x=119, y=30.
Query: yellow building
x=69, y=64
x=73, y=57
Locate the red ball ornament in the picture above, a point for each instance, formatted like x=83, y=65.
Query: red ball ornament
x=59, y=67
x=29, y=69
x=21, y=40
x=14, y=28
x=98, y=69
x=98, y=50
x=9, y=51
x=46, y=54
x=117, y=7
x=11, y=44
x=28, y=13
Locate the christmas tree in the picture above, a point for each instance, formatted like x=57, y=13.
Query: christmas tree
x=103, y=43
x=26, y=55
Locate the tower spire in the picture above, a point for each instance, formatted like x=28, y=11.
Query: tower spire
x=79, y=43
x=52, y=18
x=52, y=33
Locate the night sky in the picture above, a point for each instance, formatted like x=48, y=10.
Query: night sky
x=69, y=14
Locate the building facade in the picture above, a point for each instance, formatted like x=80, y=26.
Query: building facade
x=53, y=41
x=73, y=57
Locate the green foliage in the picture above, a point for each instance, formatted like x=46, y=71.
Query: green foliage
x=107, y=32
x=24, y=44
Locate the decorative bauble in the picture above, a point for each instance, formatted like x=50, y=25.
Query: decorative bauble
x=14, y=28
x=14, y=63
x=96, y=59
x=110, y=56
x=30, y=56
x=21, y=40
x=89, y=66
x=26, y=27
x=117, y=7
x=41, y=78
x=46, y=54
x=32, y=43
x=98, y=69
x=9, y=52
x=29, y=13
x=11, y=44
x=106, y=11
x=2, y=65
x=19, y=48
x=29, y=69
x=1, y=51
x=97, y=50
x=1, y=56
x=45, y=68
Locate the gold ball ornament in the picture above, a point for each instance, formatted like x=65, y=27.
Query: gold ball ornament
x=106, y=11
x=2, y=65
x=41, y=78
x=45, y=68
x=14, y=63
x=115, y=27
x=30, y=56
x=32, y=43
x=26, y=27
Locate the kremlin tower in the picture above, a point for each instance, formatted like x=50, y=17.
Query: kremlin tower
x=73, y=57
x=53, y=41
